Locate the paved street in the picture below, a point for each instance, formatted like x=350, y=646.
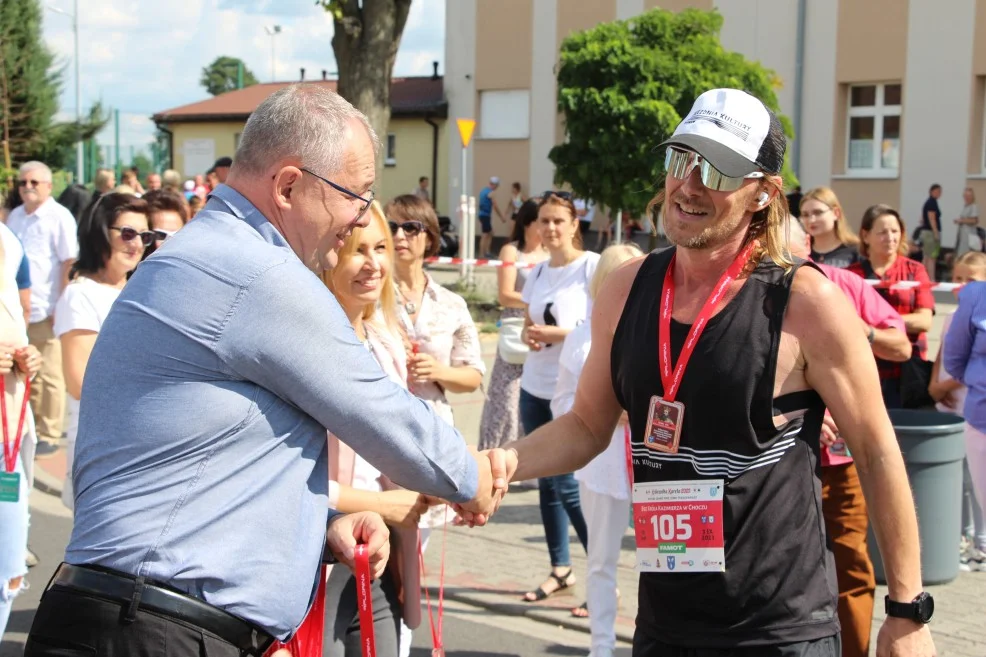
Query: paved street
x=487, y=571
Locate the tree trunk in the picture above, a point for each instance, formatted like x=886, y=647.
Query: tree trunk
x=365, y=45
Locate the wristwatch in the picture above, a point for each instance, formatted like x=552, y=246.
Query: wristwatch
x=918, y=610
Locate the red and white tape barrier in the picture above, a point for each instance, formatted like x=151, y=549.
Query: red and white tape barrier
x=476, y=262
x=909, y=285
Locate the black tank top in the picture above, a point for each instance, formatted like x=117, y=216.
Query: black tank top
x=779, y=585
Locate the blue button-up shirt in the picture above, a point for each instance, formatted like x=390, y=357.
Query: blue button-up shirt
x=201, y=458
x=964, y=355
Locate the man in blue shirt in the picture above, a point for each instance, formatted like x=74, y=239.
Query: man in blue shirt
x=201, y=468
x=484, y=210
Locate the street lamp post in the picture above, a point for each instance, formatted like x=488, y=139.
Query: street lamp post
x=79, y=155
x=273, y=31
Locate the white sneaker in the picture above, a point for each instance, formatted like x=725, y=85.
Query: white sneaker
x=972, y=560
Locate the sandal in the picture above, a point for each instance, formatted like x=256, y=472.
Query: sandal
x=564, y=581
x=582, y=611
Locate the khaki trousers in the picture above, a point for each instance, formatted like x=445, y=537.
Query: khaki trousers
x=48, y=388
x=845, y=518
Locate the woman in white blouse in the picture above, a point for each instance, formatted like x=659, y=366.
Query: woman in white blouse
x=557, y=298
x=113, y=236
x=445, y=343
x=604, y=488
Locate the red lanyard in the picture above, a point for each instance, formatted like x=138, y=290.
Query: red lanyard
x=671, y=380
x=364, y=601
x=10, y=455
x=438, y=648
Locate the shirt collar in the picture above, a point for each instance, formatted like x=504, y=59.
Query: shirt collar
x=227, y=200
x=431, y=287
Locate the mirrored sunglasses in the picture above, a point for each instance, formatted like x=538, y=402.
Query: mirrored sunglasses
x=128, y=234
x=410, y=228
x=679, y=164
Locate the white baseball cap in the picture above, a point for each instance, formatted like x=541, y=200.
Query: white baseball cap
x=494, y=180
x=734, y=131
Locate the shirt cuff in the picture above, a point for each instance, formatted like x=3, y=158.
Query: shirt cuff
x=333, y=497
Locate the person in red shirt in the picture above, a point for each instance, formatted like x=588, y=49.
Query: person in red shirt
x=883, y=247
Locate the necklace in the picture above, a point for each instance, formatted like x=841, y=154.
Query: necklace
x=409, y=306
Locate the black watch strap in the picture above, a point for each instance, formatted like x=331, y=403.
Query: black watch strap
x=919, y=610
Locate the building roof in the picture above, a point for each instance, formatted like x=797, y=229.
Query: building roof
x=409, y=97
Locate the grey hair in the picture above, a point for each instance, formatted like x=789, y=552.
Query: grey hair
x=34, y=165
x=306, y=121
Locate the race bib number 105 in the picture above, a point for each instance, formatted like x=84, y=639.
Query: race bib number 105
x=678, y=526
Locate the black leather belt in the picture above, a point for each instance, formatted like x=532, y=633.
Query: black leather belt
x=125, y=589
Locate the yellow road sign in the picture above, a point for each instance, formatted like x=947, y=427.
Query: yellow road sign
x=466, y=127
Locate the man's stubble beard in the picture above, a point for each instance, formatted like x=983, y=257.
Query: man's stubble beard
x=709, y=238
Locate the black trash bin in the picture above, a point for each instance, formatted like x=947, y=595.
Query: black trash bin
x=933, y=446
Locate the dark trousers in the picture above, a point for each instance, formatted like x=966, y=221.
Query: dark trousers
x=559, y=495
x=644, y=646
x=342, y=635
x=73, y=624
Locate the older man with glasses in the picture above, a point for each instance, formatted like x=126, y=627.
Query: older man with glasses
x=47, y=230
x=201, y=472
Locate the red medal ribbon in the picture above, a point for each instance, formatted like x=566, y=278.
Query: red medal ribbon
x=364, y=601
x=437, y=643
x=10, y=455
x=672, y=380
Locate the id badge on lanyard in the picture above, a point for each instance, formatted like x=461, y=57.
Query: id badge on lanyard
x=10, y=481
x=678, y=524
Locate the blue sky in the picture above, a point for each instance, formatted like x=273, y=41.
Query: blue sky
x=144, y=56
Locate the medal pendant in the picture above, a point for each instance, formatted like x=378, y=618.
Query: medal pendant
x=664, y=425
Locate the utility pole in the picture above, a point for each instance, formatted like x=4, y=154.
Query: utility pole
x=116, y=144
x=79, y=146
x=273, y=31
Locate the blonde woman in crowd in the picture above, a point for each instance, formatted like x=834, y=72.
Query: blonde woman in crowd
x=112, y=239
x=500, y=423
x=172, y=180
x=362, y=283
x=833, y=242
x=604, y=489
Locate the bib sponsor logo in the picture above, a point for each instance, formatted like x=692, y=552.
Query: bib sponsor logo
x=670, y=563
x=677, y=548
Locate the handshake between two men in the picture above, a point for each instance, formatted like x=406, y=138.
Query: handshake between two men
x=346, y=531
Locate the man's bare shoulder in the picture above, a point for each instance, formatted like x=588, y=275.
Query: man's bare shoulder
x=612, y=296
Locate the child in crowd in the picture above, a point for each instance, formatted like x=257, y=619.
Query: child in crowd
x=950, y=396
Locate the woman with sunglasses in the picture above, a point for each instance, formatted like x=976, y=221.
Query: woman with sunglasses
x=362, y=283
x=500, y=423
x=557, y=298
x=445, y=343
x=833, y=242
x=113, y=236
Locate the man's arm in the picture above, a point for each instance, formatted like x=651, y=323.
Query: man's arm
x=66, y=268
x=588, y=428
x=840, y=368
x=933, y=222
x=288, y=334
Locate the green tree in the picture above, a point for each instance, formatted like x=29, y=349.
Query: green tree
x=222, y=75
x=624, y=86
x=367, y=36
x=29, y=88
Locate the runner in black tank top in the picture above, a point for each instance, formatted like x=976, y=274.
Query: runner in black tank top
x=779, y=585
x=730, y=535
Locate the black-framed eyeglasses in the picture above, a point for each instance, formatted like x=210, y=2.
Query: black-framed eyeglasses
x=410, y=228
x=563, y=195
x=128, y=234
x=351, y=194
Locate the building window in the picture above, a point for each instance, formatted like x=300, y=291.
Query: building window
x=391, y=159
x=505, y=114
x=874, y=129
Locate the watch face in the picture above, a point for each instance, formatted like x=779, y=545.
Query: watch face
x=925, y=607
